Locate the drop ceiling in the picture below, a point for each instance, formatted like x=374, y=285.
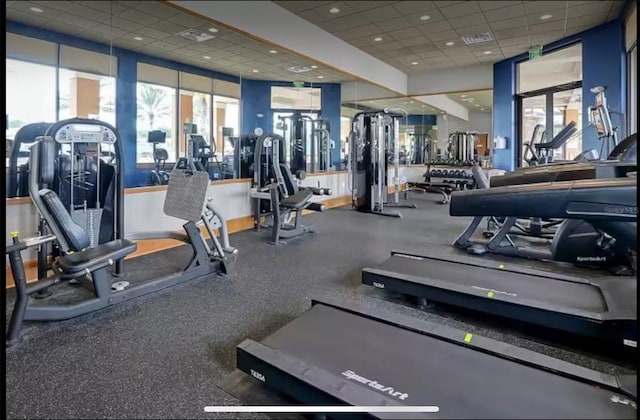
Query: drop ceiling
x=413, y=36
x=150, y=27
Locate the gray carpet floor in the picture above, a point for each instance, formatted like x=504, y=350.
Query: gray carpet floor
x=165, y=355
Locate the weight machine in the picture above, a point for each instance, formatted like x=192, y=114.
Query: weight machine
x=308, y=143
x=373, y=148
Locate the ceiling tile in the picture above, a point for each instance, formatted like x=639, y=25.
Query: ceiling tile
x=185, y=20
x=47, y=12
x=474, y=30
x=411, y=42
x=345, y=22
x=111, y=8
x=109, y=31
x=125, y=25
x=156, y=9
x=460, y=9
x=164, y=46
x=344, y=8
x=491, y=5
x=312, y=16
x=505, y=13
x=73, y=20
x=381, y=13
x=361, y=31
x=598, y=7
x=153, y=33
x=393, y=24
x=409, y=7
x=519, y=41
x=543, y=6
x=23, y=17
x=510, y=33
x=360, y=6
x=66, y=27
x=405, y=33
x=440, y=37
x=516, y=22
x=431, y=54
x=169, y=27
x=58, y=5
x=424, y=48
x=546, y=27
x=436, y=27
x=588, y=20
x=92, y=14
x=465, y=21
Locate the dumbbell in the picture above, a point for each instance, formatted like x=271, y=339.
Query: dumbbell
x=445, y=172
x=437, y=172
x=432, y=172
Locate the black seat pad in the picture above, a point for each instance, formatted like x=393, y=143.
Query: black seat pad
x=75, y=236
x=297, y=200
x=80, y=261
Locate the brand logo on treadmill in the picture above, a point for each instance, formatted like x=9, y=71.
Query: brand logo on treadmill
x=591, y=259
x=621, y=209
x=375, y=385
x=617, y=400
x=378, y=285
x=259, y=376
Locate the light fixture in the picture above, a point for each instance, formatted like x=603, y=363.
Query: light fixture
x=334, y=10
x=481, y=109
x=254, y=71
x=214, y=30
x=450, y=43
x=320, y=77
x=36, y=9
x=314, y=67
x=476, y=105
x=206, y=57
x=486, y=52
x=545, y=17
x=413, y=63
x=377, y=39
x=273, y=51
x=410, y=102
x=463, y=96
x=425, y=17
x=138, y=38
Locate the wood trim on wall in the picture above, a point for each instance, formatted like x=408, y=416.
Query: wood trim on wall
x=149, y=246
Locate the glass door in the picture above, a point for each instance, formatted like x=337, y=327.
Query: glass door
x=532, y=122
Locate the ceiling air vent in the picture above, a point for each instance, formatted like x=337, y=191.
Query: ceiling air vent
x=477, y=39
x=195, y=35
x=299, y=69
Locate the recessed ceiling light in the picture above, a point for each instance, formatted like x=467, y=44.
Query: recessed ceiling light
x=377, y=39
x=425, y=17
x=463, y=96
x=545, y=17
x=36, y=9
x=314, y=67
x=476, y=105
x=320, y=77
x=450, y=43
x=481, y=109
x=334, y=10
x=273, y=51
x=138, y=38
x=206, y=57
x=213, y=30
x=413, y=63
x=486, y=52
x=254, y=71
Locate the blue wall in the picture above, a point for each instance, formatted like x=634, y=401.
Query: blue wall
x=256, y=101
x=603, y=63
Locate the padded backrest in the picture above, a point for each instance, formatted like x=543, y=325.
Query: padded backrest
x=47, y=163
x=479, y=176
x=289, y=181
x=76, y=237
x=587, y=155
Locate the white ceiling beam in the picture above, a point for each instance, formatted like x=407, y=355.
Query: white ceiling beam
x=444, y=103
x=275, y=25
x=456, y=79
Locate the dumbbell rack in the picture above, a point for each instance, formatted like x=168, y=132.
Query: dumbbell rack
x=446, y=184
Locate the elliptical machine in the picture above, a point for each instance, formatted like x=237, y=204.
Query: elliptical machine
x=159, y=175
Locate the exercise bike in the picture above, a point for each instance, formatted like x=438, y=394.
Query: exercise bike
x=159, y=175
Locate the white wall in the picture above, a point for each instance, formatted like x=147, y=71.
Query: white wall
x=481, y=122
x=457, y=79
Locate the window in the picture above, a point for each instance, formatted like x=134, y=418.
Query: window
x=87, y=95
x=156, y=111
x=553, y=69
x=632, y=90
x=30, y=96
x=283, y=97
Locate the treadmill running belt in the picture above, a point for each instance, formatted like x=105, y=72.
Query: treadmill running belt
x=580, y=296
x=462, y=381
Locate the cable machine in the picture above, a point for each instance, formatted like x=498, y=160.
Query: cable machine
x=308, y=143
x=373, y=148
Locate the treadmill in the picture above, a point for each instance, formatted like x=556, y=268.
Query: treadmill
x=348, y=354
x=604, y=308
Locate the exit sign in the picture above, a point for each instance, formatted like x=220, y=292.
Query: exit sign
x=535, y=53
x=298, y=85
